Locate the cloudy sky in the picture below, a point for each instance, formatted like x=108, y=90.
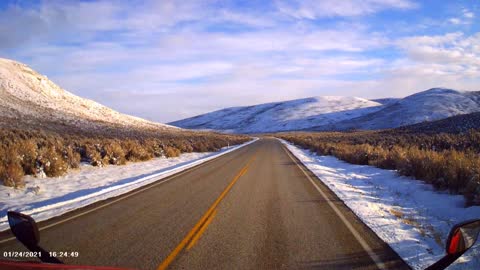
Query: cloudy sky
x=167, y=60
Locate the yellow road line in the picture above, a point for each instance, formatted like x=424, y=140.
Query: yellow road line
x=202, y=229
x=126, y=195
x=204, y=218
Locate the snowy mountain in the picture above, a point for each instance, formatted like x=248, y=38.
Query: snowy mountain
x=338, y=113
x=281, y=116
x=385, y=101
x=430, y=105
x=30, y=100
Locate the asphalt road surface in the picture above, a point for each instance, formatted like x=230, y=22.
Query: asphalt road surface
x=254, y=208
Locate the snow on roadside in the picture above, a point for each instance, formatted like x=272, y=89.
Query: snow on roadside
x=408, y=214
x=50, y=197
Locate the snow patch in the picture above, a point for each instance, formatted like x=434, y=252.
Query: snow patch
x=51, y=197
x=409, y=215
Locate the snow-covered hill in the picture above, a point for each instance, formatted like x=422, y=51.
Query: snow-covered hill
x=281, y=116
x=386, y=101
x=338, y=113
x=30, y=99
x=430, y=105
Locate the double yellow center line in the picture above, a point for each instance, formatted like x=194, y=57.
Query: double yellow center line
x=192, y=237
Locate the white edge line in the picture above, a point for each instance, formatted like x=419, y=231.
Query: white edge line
x=347, y=223
x=132, y=193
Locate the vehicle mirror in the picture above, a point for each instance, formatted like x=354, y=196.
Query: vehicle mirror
x=462, y=237
x=24, y=228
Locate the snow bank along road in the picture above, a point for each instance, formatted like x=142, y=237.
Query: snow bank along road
x=253, y=208
x=79, y=188
x=408, y=214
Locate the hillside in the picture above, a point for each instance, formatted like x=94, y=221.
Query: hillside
x=455, y=124
x=29, y=100
x=282, y=116
x=46, y=131
x=338, y=113
x=430, y=105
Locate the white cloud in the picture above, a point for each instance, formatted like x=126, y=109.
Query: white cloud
x=188, y=71
x=150, y=92
x=464, y=18
x=256, y=20
x=165, y=60
x=87, y=21
x=455, y=20
x=468, y=14
x=451, y=60
x=452, y=48
x=311, y=9
x=75, y=21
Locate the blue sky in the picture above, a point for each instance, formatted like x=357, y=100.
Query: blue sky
x=166, y=60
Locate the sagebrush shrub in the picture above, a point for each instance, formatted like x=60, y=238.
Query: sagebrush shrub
x=154, y=147
x=447, y=161
x=114, y=153
x=136, y=152
x=48, y=153
x=27, y=151
x=171, y=151
x=71, y=157
x=200, y=147
x=93, y=155
x=53, y=162
x=12, y=174
x=186, y=148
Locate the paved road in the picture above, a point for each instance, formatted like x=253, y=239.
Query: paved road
x=255, y=208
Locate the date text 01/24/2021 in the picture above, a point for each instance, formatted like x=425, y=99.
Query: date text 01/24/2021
x=32, y=254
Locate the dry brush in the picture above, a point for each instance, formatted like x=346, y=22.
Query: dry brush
x=447, y=161
x=51, y=154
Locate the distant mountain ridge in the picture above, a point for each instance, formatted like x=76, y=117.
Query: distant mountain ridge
x=454, y=124
x=279, y=116
x=433, y=104
x=338, y=113
x=30, y=100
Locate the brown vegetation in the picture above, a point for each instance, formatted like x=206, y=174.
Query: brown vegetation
x=447, y=161
x=171, y=152
x=46, y=153
x=12, y=174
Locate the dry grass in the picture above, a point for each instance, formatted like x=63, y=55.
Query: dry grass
x=114, y=153
x=424, y=230
x=12, y=175
x=46, y=153
x=171, y=152
x=407, y=220
x=447, y=161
